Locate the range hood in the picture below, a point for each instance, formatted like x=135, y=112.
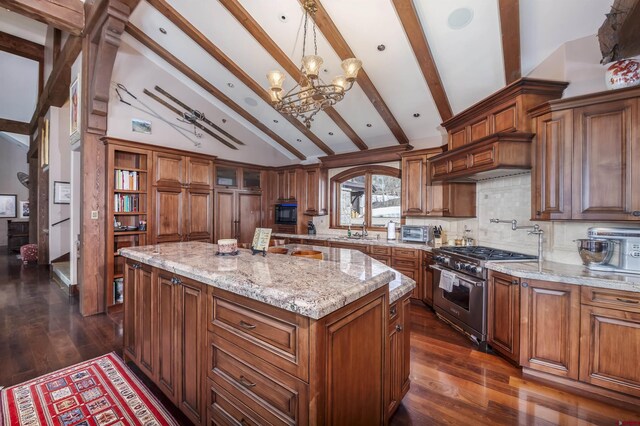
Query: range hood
x=496, y=155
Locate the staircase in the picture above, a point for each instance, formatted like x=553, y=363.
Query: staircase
x=61, y=274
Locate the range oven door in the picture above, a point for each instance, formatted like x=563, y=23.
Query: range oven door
x=465, y=305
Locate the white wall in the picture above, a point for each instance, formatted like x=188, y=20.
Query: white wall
x=13, y=159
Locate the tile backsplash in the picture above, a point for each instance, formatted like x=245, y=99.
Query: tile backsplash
x=506, y=198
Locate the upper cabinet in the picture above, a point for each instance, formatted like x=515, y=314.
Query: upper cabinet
x=587, y=164
x=315, y=196
x=422, y=198
x=287, y=185
x=174, y=170
x=231, y=176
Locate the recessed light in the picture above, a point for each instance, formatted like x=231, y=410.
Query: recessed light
x=368, y=124
x=224, y=120
x=298, y=140
x=381, y=47
x=162, y=30
x=231, y=85
x=283, y=18
x=250, y=101
x=416, y=114
x=275, y=121
x=460, y=18
x=326, y=71
x=330, y=133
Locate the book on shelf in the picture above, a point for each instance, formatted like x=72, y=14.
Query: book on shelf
x=127, y=180
x=118, y=293
x=124, y=203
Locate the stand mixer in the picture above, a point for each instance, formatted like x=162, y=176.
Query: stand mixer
x=611, y=250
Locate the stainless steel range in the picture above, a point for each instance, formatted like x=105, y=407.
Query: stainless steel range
x=464, y=303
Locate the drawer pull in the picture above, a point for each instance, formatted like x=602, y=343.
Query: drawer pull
x=246, y=383
x=620, y=299
x=525, y=284
x=246, y=325
x=393, y=310
x=398, y=327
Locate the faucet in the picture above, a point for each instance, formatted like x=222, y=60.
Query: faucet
x=535, y=230
x=364, y=229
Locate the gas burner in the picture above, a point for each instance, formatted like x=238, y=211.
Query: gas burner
x=487, y=253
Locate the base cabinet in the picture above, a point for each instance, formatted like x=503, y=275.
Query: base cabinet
x=237, y=214
x=503, y=315
x=399, y=352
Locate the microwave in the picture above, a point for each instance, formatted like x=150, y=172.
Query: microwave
x=286, y=214
x=416, y=234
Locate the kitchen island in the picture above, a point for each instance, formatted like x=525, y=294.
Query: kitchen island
x=268, y=340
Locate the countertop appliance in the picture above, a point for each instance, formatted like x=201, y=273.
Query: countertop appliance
x=611, y=250
x=286, y=214
x=416, y=234
x=311, y=228
x=465, y=306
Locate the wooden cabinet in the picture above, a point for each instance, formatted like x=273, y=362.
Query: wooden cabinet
x=315, y=194
x=503, y=315
x=168, y=218
x=233, y=176
x=449, y=199
x=428, y=278
x=237, y=214
x=287, y=184
x=198, y=223
x=409, y=262
x=550, y=327
x=414, y=185
x=17, y=234
x=399, y=352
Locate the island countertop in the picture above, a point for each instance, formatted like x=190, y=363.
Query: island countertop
x=310, y=287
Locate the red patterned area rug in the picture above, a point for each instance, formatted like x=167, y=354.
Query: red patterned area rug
x=99, y=392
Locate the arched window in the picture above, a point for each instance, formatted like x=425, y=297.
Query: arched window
x=368, y=194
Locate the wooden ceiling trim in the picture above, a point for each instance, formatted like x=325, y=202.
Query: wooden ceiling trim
x=67, y=15
x=13, y=126
x=136, y=33
x=510, y=29
x=370, y=156
x=340, y=46
x=258, y=33
x=21, y=47
x=417, y=38
x=192, y=32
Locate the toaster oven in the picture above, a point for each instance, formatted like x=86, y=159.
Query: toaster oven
x=416, y=234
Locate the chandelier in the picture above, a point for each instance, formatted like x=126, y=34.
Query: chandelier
x=311, y=95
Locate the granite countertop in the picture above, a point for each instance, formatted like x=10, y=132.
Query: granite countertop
x=569, y=274
x=342, y=239
x=310, y=287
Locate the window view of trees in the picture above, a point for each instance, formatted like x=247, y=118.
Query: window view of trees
x=385, y=199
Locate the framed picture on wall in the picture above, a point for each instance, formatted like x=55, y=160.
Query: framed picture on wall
x=8, y=205
x=61, y=192
x=74, y=110
x=24, y=209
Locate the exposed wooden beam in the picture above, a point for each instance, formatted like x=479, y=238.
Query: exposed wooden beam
x=139, y=35
x=56, y=90
x=57, y=43
x=192, y=32
x=417, y=38
x=629, y=36
x=67, y=15
x=510, y=28
x=340, y=46
x=259, y=34
x=21, y=47
x=370, y=156
x=13, y=126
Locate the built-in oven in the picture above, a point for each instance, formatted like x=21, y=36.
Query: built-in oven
x=464, y=306
x=286, y=214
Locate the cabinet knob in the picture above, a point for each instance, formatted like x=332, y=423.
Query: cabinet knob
x=538, y=212
x=636, y=213
x=398, y=327
x=176, y=281
x=393, y=310
x=136, y=266
x=525, y=284
x=514, y=282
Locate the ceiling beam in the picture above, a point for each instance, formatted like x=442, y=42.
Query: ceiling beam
x=56, y=90
x=510, y=29
x=192, y=32
x=13, y=126
x=258, y=33
x=21, y=47
x=136, y=33
x=417, y=38
x=340, y=46
x=67, y=15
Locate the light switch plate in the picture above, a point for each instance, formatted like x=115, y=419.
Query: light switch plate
x=94, y=214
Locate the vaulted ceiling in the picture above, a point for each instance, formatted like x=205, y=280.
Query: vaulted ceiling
x=439, y=57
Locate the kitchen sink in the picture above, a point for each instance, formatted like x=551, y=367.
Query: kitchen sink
x=352, y=238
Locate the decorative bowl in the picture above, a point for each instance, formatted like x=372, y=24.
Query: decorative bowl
x=595, y=252
x=310, y=254
x=623, y=73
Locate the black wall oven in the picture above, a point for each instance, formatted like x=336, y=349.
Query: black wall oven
x=286, y=214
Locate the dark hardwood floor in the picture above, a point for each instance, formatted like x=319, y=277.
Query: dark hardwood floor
x=41, y=331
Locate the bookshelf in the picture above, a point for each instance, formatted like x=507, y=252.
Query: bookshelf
x=128, y=209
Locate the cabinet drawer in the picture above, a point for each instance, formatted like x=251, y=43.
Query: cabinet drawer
x=272, y=394
x=405, y=264
x=382, y=259
x=394, y=313
x=405, y=252
x=360, y=247
x=439, y=168
x=380, y=250
x=607, y=298
x=482, y=157
x=275, y=335
x=458, y=164
x=227, y=411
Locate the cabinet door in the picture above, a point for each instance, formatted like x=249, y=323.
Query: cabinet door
x=315, y=191
x=405, y=361
x=200, y=172
x=428, y=279
x=249, y=216
x=282, y=186
x=292, y=184
x=418, y=291
x=606, y=163
x=503, y=318
x=609, y=348
x=459, y=199
x=550, y=327
x=146, y=329
x=199, y=215
x=191, y=348
x=551, y=171
x=168, y=214
x=225, y=215
x=395, y=369
x=129, y=320
x=168, y=169
x=167, y=369
x=414, y=185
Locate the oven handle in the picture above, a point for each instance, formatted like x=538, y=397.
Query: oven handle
x=475, y=283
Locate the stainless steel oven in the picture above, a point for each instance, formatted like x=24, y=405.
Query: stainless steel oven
x=464, y=306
